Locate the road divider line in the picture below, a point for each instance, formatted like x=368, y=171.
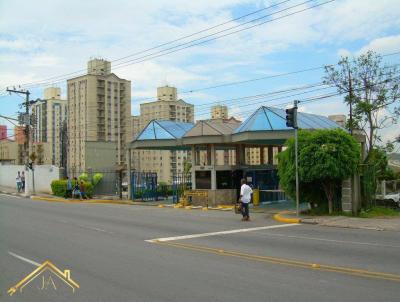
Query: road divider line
x=24, y=259
x=183, y=237
x=288, y=262
x=10, y=195
x=332, y=240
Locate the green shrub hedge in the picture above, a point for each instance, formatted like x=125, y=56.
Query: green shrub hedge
x=59, y=188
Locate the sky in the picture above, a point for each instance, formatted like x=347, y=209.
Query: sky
x=42, y=39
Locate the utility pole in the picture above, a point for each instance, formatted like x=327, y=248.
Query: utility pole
x=350, y=100
x=27, y=121
x=352, y=198
x=291, y=121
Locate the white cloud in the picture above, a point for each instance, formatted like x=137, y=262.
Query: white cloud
x=66, y=33
x=44, y=61
x=13, y=44
x=382, y=45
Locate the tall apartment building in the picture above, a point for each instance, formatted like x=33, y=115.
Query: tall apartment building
x=49, y=117
x=135, y=127
x=3, y=132
x=99, y=111
x=219, y=111
x=19, y=133
x=222, y=157
x=167, y=107
x=12, y=151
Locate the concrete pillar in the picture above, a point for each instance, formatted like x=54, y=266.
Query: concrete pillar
x=193, y=159
x=270, y=155
x=242, y=155
x=128, y=171
x=213, y=172
x=346, y=195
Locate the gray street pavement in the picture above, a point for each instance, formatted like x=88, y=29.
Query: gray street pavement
x=106, y=248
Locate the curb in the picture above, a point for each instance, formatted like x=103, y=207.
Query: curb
x=101, y=201
x=280, y=218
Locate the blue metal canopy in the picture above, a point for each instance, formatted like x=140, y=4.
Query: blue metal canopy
x=162, y=130
x=270, y=119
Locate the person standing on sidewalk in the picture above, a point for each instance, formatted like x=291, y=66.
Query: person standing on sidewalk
x=23, y=180
x=18, y=181
x=68, y=192
x=245, y=198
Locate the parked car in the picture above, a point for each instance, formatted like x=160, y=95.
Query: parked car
x=390, y=199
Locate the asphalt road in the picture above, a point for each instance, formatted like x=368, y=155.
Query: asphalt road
x=106, y=250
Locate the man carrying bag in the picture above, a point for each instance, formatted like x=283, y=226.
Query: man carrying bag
x=245, y=198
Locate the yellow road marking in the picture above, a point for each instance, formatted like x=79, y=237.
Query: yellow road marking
x=283, y=261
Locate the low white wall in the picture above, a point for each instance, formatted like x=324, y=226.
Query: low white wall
x=44, y=175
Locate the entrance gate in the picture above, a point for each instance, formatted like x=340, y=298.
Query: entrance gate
x=180, y=183
x=144, y=186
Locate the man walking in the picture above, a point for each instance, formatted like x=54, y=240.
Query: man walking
x=23, y=181
x=245, y=197
x=69, y=188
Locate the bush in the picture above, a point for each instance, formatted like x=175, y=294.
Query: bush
x=59, y=188
x=83, y=177
x=97, y=178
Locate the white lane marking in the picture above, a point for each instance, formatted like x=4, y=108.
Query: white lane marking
x=221, y=233
x=8, y=195
x=88, y=227
x=332, y=240
x=24, y=259
x=94, y=229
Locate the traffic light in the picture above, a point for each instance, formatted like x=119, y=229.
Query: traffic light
x=30, y=165
x=291, y=117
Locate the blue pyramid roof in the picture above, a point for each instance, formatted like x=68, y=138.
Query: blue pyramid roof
x=157, y=129
x=270, y=119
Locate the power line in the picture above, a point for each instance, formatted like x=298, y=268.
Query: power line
x=156, y=55
x=171, y=42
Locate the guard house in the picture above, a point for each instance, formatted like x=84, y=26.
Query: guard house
x=225, y=150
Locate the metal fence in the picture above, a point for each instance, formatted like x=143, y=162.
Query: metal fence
x=144, y=186
x=109, y=184
x=180, y=183
x=272, y=196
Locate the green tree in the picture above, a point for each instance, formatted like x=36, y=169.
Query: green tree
x=187, y=166
x=97, y=177
x=379, y=158
x=326, y=158
x=373, y=90
x=83, y=177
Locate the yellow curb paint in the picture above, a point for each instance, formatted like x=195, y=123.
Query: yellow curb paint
x=188, y=207
x=101, y=201
x=204, y=209
x=160, y=205
x=280, y=218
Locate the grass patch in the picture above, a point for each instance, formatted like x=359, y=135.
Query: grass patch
x=377, y=212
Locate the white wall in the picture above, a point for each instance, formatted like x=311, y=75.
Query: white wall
x=44, y=175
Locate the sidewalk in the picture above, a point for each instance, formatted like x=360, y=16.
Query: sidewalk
x=378, y=224
x=52, y=198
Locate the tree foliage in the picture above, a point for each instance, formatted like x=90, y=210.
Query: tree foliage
x=373, y=90
x=379, y=158
x=83, y=177
x=326, y=158
x=97, y=177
